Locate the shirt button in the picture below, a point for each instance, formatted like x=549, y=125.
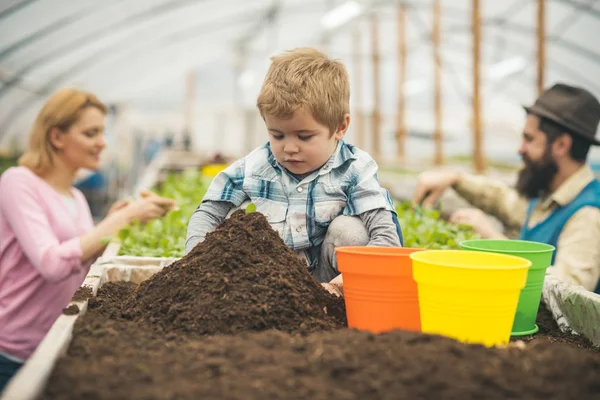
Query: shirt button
x=299, y=229
x=299, y=189
x=326, y=167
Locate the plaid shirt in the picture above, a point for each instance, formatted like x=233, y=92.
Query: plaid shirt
x=301, y=210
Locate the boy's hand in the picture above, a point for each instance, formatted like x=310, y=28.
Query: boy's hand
x=335, y=286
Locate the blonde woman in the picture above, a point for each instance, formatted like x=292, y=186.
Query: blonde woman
x=47, y=236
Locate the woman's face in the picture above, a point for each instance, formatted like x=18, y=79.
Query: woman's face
x=81, y=145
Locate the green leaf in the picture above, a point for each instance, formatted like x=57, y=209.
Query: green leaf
x=251, y=208
x=424, y=228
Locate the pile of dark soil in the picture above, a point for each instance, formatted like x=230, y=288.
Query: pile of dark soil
x=112, y=358
x=82, y=294
x=241, y=278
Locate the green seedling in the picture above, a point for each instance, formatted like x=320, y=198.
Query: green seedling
x=424, y=228
x=251, y=208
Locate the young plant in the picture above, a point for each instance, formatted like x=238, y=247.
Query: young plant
x=424, y=228
x=251, y=208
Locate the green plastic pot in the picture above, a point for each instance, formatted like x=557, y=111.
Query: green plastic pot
x=540, y=255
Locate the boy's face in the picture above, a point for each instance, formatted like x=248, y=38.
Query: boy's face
x=301, y=144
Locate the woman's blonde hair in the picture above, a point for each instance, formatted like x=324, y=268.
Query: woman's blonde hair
x=306, y=78
x=61, y=111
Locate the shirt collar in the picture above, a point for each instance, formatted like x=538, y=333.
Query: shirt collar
x=272, y=170
x=570, y=188
x=343, y=154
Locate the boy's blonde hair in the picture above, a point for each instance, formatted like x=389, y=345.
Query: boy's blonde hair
x=61, y=111
x=306, y=78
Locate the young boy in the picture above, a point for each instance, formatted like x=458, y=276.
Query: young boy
x=315, y=190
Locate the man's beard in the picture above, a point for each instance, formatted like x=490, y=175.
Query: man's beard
x=536, y=177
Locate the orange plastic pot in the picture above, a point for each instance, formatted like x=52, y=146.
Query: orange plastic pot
x=379, y=289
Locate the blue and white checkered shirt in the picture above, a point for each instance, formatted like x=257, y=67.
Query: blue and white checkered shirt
x=301, y=210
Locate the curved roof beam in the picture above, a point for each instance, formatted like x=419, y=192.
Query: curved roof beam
x=129, y=22
x=124, y=49
x=14, y=8
x=581, y=7
x=525, y=53
x=557, y=39
x=82, y=41
x=174, y=38
x=39, y=34
x=131, y=80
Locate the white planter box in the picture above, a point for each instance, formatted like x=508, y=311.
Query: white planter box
x=575, y=309
x=110, y=257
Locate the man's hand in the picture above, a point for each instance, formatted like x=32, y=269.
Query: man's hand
x=335, y=286
x=432, y=184
x=477, y=219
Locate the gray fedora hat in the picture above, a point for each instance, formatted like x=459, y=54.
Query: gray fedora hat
x=573, y=108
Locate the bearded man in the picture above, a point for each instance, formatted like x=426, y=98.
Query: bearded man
x=556, y=199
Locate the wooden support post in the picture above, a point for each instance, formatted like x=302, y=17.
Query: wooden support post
x=376, y=89
x=358, y=90
x=401, y=132
x=478, y=159
x=249, y=129
x=541, y=45
x=326, y=38
x=437, y=79
x=241, y=63
x=190, y=100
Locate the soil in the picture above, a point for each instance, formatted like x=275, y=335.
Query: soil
x=71, y=310
x=241, y=318
x=82, y=294
x=550, y=332
x=114, y=358
x=241, y=278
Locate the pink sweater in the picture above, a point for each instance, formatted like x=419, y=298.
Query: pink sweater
x=40, y=266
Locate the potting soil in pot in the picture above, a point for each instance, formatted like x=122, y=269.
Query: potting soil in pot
x=241, y=278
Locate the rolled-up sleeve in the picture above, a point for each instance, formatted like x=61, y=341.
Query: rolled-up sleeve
x=493, y=197
x=19, y=205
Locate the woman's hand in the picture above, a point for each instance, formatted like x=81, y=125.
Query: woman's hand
x=118, y=205
x=148, y=208
x=121, y=215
